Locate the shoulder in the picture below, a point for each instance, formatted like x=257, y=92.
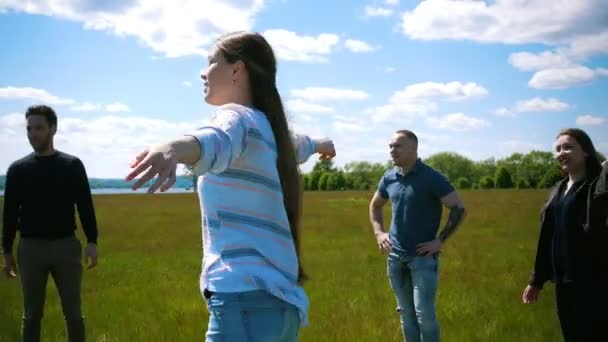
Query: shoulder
x=389, y=174
x=67, y=157
x=232, y=114
x=233, y=109
x=431, y=173
x=20, y=163
x=69, y=160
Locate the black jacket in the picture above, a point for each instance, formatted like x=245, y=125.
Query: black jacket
x=591, y=238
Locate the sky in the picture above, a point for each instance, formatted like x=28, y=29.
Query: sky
x=482, y=79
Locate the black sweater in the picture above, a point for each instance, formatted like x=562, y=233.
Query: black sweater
x=39, y=198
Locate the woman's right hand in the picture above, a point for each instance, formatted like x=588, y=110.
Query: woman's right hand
x=325, y=148
x=159, y=161
x=531, y=294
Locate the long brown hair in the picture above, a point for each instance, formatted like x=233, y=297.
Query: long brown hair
x=257, y=55
x=593, y=166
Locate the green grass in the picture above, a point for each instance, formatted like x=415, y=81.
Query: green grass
x=146, y=285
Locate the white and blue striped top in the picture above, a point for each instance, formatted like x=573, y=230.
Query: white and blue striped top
x=247, y=241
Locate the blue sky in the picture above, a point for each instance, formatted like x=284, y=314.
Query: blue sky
x=479, y=78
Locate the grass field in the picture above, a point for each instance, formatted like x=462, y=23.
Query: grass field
x=146, y=285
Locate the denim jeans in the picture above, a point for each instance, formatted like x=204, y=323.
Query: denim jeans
x=250, y=317
x=414, y=282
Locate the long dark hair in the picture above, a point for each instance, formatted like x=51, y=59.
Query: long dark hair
x=593, y=166
x=257, y=55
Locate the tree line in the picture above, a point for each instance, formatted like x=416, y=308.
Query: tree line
x=536, y=169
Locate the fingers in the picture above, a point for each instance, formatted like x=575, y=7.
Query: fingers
x=145, y=178
x=9, y=272
x=422, y=249
x=141, y=167
x=530, y=295
x=139, y=157
x=166, y=178
x=327, y=155
x=170, y=181
x=385, y=246
x=91, y=259
x=162, y=177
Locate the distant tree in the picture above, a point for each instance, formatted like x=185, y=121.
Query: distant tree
x=322, y=186
x=313, y=183
x=463, y=183
x=486, y=182
x=452, y=165
x=324, y=166
x=483, y=168
x=534, y=165
x=552, y=176
x=503, y=179
x=522, y=184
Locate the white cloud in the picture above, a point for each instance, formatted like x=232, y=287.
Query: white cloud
x=187, y=84
x=391, y=2
x=402, y=112
x=457, y=122
x=418, y=100
x=358, y=46
x=291, y=47
x=511, y=22
x=105, y=144
x=86, y=107
x=345, y=124
x=33, y=94
x=577, y=29
x=518, y=146
x=538, y=104
x=451, y=91
x=563, y=77
x=589, y=120
x=390, y=69
x=12, y=125
x=545, y=60
x=117, y=107
x=589, y=45
x=378, y=11
x=302, y=106
x=174, y=30
x=504, y=112
x=321, y=94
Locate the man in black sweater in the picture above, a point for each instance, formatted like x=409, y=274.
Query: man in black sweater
x=39, y=198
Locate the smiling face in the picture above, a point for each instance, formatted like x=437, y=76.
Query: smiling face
x=569, y=154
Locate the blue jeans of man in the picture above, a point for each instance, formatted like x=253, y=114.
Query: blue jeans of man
x=414, y=282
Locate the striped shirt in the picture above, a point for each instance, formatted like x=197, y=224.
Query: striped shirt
x=247, y=241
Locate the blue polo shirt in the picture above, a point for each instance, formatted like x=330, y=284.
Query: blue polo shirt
x=416, y=203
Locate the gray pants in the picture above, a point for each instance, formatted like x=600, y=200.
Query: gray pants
x=62, y=259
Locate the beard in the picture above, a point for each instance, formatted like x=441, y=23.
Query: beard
x=41, y=145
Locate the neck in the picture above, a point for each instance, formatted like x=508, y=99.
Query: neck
x=243, y=98
x=406, y=168
x=50, y=150
x=577, y=175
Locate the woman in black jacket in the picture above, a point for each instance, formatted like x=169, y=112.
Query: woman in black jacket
x=573, y=244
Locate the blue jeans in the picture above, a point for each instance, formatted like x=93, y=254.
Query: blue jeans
x=251, y=316
x=414, y=281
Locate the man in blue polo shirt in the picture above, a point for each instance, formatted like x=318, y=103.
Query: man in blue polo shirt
x=417, y=193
